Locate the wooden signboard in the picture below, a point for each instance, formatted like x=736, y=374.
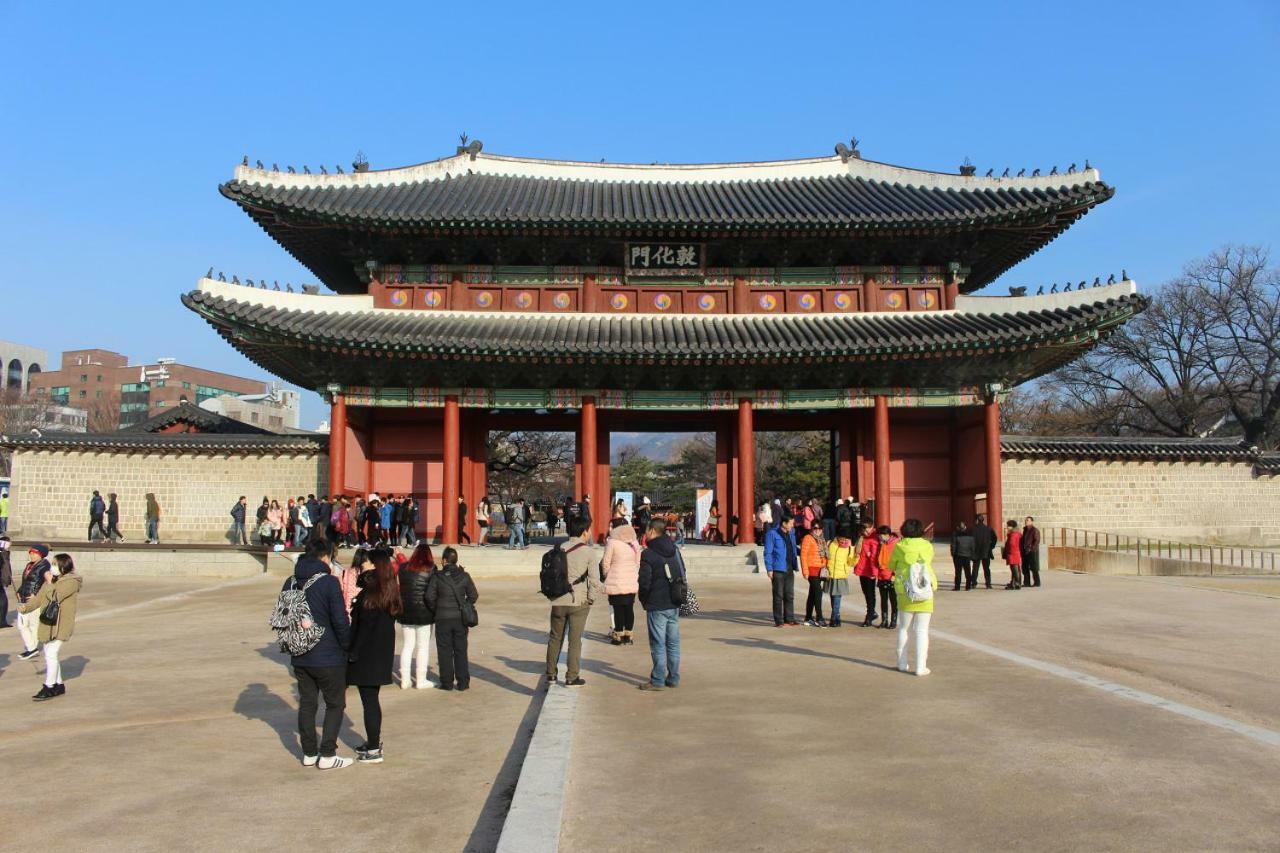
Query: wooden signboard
x=665, y=259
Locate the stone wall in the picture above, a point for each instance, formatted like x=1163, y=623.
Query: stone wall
x=1187, y=501
x=51, y=490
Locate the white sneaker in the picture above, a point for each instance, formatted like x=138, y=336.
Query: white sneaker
x=923, y=672
x=310, y=760
x=335, y=762
x=904, y=669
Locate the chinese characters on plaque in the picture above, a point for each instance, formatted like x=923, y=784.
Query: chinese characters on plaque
x=664, y=259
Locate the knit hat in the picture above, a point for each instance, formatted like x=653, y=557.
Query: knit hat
x=42, y=550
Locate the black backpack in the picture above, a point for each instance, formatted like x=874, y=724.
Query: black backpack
x=554, y=576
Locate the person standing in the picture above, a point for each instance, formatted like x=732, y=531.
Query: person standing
x=97, y=508
x=867, y=570
x=301, y=529
x=781, y=562
x=416, y=617
x=34, y=577
x=813, y=562
x=6, y=580
x=1030, y=553
x=323, y=519
x=113, y=518
x=322, y=671
x=463, y=518
x=984, y=549
x=841, y=558
x=4, y=512
x=62, y=593
x=660, y=562
x=516, y=518
x=644, y=515
x=349, y=577
x=238, y=533
x=962, y=552
x=621, y=570
x=483, y=514
x=276, y=518
x=910, y=550
x=153, y=519
x=1012, y=553
x=445, y=592
x=373, y=647
x=884, y=578
x=412, y=517
x=569, y=612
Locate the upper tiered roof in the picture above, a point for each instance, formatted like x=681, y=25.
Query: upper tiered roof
x=830, y=198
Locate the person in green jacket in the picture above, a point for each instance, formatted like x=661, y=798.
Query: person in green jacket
x=913, y=548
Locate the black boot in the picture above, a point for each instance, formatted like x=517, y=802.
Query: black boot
x=867, y=623
x=893, y=623
x=46, y=692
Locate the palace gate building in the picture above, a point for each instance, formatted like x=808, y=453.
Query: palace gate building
x=481, y=292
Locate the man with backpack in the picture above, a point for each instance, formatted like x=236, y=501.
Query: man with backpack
x=97, y=509
x=319, y=632
x=516, y=517
x=568, y=579
x=663, y=588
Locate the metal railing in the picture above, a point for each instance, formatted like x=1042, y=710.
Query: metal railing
x=1212, y=556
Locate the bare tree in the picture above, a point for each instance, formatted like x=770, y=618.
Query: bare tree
x=20, y=414
x=531, y=464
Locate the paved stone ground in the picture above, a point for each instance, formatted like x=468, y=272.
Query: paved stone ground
x=178, y=729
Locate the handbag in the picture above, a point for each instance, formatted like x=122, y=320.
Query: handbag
x=51, y=612
x=470, y=617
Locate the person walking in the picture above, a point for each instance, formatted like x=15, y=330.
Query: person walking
x=373, y=647
x=416, y=617
x=984, y=549
x=445, y=593
x=660, y=562
x=1030, y=553
x=412, y=517
x=6, y=580
x=781, y=563
x=621, y=570
x=463, y=518
x=569, y=612
x=484, y=512
x=912, y=550
x=36, y=574
x=813, y=563
x=1012, y=554
x=841, y=557
x=55, y=604
x=867, y=570
x=962, y=552
x=238, y=534
x=517, y=516
x=153, y=519
x=113, y=518
x=97, y=508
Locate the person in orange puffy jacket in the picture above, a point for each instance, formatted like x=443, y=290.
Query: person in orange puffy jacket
x=884, y=578
x=813, y=559
x=868, y=570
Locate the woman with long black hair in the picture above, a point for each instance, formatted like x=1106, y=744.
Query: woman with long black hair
x=56, y=602
x=373, y=647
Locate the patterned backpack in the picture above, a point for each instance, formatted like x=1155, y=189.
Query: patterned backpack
x=296, y=631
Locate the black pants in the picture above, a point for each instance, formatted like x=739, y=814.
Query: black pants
x=4, y=605
x=869, y=593
x=372, y=715
x=451, y=652
x=1031, y=569
x=624, y=611
x=813, y=604
x=96, y=521
x=985, y=564
x=963, y=569
x=331, y=681
x=784, y=597
x=888, y=601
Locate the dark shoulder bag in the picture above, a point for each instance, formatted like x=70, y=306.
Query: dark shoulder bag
x=678, y=583
x=51, y=612
x=470, y=617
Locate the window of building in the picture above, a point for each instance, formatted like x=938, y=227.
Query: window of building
x=99, y=377
x=208, y=392
x=276, y=421
x=186, y=386
x=84, y=377
x=134, y=387
x=133, y=407
x=83, y=394
x=253, y=416
x=159, y=383
x=97, y=395
x=60, y=394
x=161, y=404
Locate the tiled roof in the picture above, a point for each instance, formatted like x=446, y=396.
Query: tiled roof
x=1125, y=447
x=181, y=442
x=204, y=420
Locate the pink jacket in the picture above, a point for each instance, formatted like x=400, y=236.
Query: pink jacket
x=621, y=562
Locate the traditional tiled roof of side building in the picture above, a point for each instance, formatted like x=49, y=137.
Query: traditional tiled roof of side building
x=187, y=417
x=185, y=442
x=1005, y=218
x=1125, y=447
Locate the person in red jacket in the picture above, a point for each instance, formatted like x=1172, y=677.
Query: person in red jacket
x=1012, y=554
x=868, y=570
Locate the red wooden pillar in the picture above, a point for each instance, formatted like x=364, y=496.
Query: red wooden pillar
x=882, y=459
x=601, y=493
x=590, y=293
x=991, y=435
x=741, y=296
x=338, y=445
x=724, y=477
x=746, y=473
x=452, y=469
x=587, y=436
x=844, y=484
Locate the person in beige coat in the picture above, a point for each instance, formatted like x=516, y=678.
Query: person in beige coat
x=569, y=612
x=621, y=571
x=65, y=590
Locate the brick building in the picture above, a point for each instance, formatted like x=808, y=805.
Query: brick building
x=118, y=394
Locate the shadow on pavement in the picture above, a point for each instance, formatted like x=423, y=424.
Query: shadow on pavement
x=737, y=617
x=74, y=667
x=4, y=665
x=770, y=645
x=271, y=651
x=497, y=679
x=531, y=635
x=257, y=702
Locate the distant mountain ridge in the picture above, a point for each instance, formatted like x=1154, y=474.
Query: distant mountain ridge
x=658, y=446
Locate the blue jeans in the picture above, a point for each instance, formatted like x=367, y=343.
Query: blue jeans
x=300, y=534
x=153, y=529
x=664, y=647
x=4, y=524
x=238, y=533
x=517, y=533
x=835, y=607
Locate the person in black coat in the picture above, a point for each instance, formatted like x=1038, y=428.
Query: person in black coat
x=373, y=646
x=416, y=618
x=113, y=518
x=659, y=560
x=984, y=548
x=444, y=592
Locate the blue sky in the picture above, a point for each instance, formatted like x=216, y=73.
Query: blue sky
x=120, y=120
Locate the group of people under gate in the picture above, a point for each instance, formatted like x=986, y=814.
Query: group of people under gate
x=344, y=520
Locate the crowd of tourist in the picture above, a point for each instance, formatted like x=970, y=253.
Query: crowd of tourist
x=344, y=520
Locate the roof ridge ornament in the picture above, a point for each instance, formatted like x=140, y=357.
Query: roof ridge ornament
x=967, y=169
x=469, y=146
x=850, y=151
x=360, y=163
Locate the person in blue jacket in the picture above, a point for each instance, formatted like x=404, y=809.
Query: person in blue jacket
x=781, y=562
x=323, y=670
x=386, y=517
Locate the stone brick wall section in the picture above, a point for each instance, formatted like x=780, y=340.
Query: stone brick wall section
x=1186, y=501
x=51, y=490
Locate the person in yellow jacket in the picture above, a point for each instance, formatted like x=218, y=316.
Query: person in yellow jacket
x=915, y=615
x=842, y=556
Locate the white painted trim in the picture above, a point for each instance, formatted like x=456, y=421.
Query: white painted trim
x=691, y=173
x=1045, y=301
x=316, y=303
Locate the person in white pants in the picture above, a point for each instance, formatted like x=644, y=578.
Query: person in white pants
x=58, y=600
x=915, y=608
x=415, y=639
x=416, y=618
